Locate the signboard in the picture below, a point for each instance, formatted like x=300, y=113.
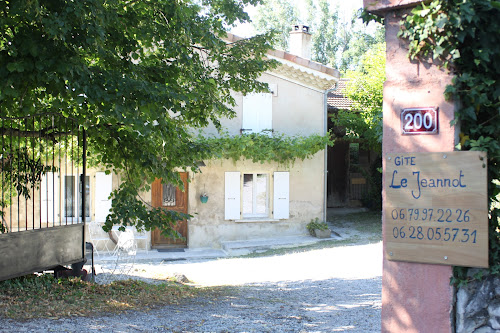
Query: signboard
x=419, y=121
x=436, y=208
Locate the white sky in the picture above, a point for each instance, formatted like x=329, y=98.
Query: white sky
x=346, y=7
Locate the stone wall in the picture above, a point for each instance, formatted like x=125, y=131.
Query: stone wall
x=478, y=305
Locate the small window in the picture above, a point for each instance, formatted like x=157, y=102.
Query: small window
x=169, y=193
x=354, y=153
x=69, y=196
x=72, y=200
x=87, y=197
x=255, y=195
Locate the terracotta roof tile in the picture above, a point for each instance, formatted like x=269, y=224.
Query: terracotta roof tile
x=336, y=98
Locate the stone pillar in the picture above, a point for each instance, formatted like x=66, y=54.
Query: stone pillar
x=415, y=297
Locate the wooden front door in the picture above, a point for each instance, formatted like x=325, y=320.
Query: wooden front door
x=170, y=197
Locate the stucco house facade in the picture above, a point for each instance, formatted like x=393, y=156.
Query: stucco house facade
x=247, y=200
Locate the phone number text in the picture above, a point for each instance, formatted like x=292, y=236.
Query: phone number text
x=461, y=235
x=431, y=214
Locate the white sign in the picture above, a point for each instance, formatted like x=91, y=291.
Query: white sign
x=419, y=121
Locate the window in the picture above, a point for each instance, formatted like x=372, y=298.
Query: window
x=69, y=196
x=72, y=200
x=87, y=197
x=257, y=113
x=255, y=195
x=248, y=196
x=169, y=195
x=55, y=187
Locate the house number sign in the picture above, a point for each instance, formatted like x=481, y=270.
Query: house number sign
x=419, y=121
x=436, y=208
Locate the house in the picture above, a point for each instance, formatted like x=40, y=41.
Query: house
x=246, y=200
x=249, y=200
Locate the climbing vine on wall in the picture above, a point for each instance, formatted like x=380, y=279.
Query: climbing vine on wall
x=463, y=35
x=263, y=148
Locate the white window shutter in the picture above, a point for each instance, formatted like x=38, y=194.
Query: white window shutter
x=103, y=188
x=281, y=195
x=257, y=112
x=232, y=195
x=49, y=196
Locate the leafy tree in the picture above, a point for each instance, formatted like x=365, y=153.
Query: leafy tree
x=336, y=41
x=325, y=43
x=280, y=15
x=365, y=90
x=355, y=39
x=137, y=75
x=277, y=16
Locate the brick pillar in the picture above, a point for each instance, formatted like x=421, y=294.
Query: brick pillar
x=415, y=297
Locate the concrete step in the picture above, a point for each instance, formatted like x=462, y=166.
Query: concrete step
x=242, y=247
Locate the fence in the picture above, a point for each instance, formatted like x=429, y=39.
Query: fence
x=44, y=193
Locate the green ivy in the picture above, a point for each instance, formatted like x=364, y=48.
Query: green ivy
x=262, y=148
x=464, y=36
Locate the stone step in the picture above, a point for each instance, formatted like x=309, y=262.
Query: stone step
x=243, y=247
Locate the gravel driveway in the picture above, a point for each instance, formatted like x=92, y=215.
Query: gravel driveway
x=327, y=290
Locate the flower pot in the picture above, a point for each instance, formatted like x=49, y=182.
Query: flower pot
x=322, y=233
x=203, y=198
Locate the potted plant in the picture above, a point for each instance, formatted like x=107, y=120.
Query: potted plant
x=203, y=197
x=319, y=229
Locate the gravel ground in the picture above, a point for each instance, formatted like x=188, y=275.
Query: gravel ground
x=328, y=290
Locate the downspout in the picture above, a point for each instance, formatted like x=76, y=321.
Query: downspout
x=325, y=177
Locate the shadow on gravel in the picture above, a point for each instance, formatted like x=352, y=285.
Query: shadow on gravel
x=313, y=306
x=334, y=305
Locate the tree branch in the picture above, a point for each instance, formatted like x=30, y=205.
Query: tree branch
x=43, y=133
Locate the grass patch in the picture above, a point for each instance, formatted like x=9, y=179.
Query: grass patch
x=43, y=296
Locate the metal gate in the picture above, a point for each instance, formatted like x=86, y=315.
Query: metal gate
x=44, y=193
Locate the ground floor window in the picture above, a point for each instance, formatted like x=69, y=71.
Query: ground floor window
x=73, y=199
x=61, y=197
x=251, y=195
x=255, y=195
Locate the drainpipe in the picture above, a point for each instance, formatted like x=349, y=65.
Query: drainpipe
x=325, y=180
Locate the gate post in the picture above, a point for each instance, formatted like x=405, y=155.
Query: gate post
x=415, y=297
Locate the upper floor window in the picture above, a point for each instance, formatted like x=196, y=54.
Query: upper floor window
x=257, y=113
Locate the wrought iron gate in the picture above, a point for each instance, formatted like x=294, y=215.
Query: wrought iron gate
x=44, y=193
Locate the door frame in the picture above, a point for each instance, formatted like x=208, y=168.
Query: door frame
x=157, y=240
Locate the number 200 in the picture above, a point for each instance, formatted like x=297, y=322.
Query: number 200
x=416, y=121
x=421, y=120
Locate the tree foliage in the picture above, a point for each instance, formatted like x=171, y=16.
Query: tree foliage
x=136, y=74
x=336, y=41
x=277, y=16
x=365, y=89
x=324, y=41
x=463, y=36
x=358, y=39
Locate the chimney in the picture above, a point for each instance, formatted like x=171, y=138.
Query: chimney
x=300, y=41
